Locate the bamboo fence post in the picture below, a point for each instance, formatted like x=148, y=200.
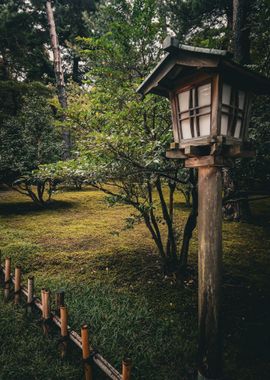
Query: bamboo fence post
x=46, y=311
x=7, y=278
x=42, y=301
x=64, y=331
x=1, y=274
x=30, y=293
x=126, y=369
x=86, y=353
x=59, y=301
x=17, y=284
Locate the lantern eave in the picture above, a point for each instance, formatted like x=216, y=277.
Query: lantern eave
x=183, y=60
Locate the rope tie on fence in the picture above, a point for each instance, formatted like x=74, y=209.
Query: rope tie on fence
x=31, y=303
x=90, y=359
x=47, y=321
x=63, y=339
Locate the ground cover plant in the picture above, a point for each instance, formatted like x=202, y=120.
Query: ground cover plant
x=114, y=282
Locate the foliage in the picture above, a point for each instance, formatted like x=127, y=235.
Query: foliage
x=28, y=140
x=259, y=20
x=200, y=23
x=254, y=174
x=13, y=92
x=121, y=140
x=22, y=47
x=71, y=173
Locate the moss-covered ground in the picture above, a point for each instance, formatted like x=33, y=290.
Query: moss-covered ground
x=113, y=281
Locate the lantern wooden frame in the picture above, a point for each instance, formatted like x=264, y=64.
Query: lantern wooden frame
x=215, y=109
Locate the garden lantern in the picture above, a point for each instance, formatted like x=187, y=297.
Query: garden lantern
x=210, y=98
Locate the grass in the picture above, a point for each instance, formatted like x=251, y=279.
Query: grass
x=113, y=281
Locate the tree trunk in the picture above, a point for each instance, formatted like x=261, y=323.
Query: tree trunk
x=171, y=243
x=59, y=74
x=4, y=68
x=241, y=31
x=241, y=49
x=75, y=69
x=190, y=225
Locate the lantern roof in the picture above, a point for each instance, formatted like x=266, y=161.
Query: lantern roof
x=181, y=61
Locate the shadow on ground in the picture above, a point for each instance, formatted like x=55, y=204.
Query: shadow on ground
x=25, y=208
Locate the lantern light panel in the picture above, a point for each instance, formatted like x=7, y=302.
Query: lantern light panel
x=194, y=111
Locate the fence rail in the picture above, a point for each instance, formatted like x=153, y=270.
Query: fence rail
x=67, y=334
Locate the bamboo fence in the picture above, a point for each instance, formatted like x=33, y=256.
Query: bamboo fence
x=59, y=318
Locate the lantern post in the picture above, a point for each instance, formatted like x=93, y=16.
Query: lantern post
x=210, y=98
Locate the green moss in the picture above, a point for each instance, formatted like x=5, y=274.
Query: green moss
x=24, y=254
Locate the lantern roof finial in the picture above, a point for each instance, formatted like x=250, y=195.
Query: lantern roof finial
x=172, y=43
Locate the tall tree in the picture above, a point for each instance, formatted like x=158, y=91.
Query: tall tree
x=241, y=31
x=59, y=75
x=241, y=51
x=70, y=20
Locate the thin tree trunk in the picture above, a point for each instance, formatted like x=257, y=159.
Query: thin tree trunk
x=172, y=187
x=4, y=68
x=154, y=221
x=75, y=69
x=59, y=74
x=190, y=224
x=155, y=237
x=171, y=246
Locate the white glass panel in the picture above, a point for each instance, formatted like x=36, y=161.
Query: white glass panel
x=224, y=124
x=183, y=99
x=186, y=131
x=204, y=125
x=238, y=128
x=204, y=110
x=226, y=93
x=204, y=95
x=241, y=99
x=184, y=115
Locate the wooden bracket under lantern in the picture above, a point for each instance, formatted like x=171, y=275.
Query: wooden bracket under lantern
x=216, y=153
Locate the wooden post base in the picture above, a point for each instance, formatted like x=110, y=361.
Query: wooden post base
x=210, y=263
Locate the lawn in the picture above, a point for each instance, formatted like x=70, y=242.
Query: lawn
x=114, y=282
